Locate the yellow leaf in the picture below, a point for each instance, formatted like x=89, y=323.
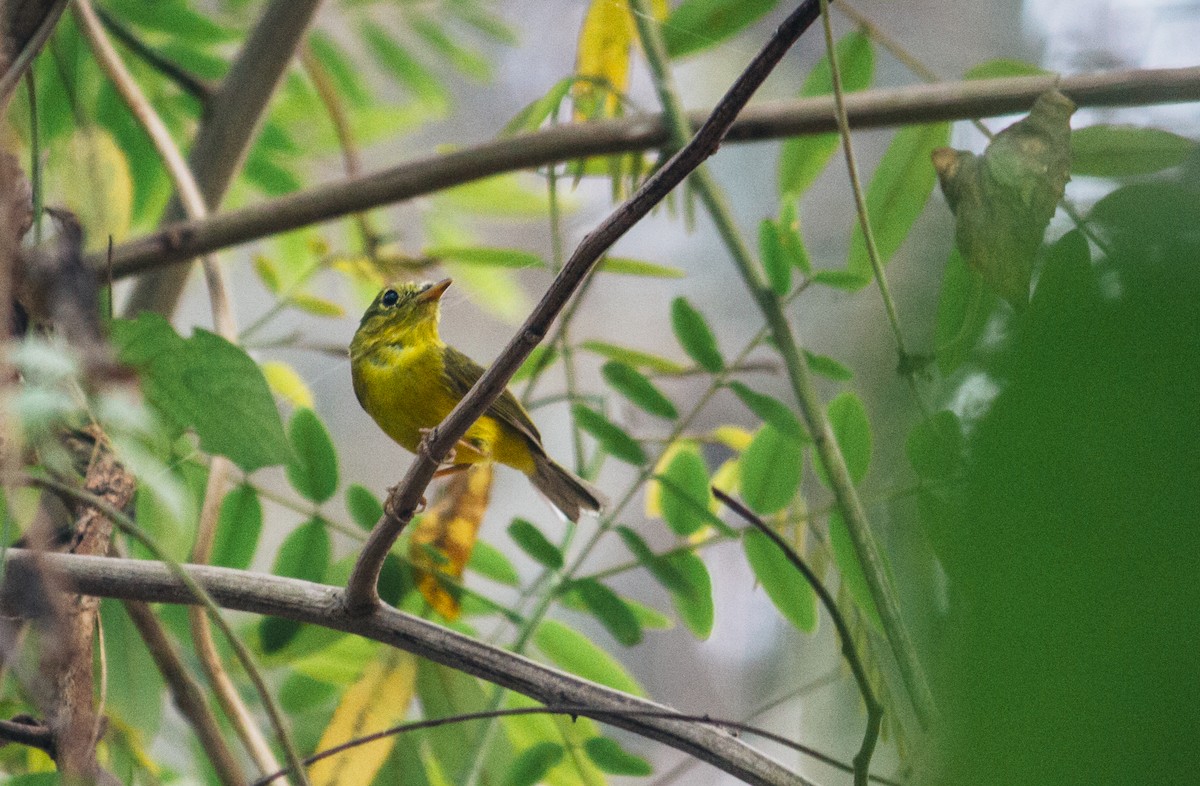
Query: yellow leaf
x=285, y=382
x=604, y=44
x=90, y=174
x=444, y=537
x=379, y=700
x=317, y=306
x=735, y=438
x=725, y=479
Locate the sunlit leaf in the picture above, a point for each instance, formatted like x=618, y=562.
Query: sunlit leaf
x=91, y=177
x=634, y=357
x=445, y=535
x=267, y=273
x=851, y=428
x=638, y=267
x=684, y=493
x=285, y=382
x=602, y=58
x=784, y=584
x=317, y=306
x=770, y=470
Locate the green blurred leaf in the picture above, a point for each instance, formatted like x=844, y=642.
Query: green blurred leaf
x=267, y=273
x=490, y=562
x=571, y=651
x=964, y=308
x=364, y=507
x=840, y=279
x=696, y=25
x=485, y=257
x=668, y=574
x=304, y=554
x=638, y=267
x=846, y=559
x=317, y=306
x=540, y=359
x=470, y=63
x=172, y=18
x=531, y=117
x=610, y=609
x=827, y=367
x=611, y=437
x=785, y=585
x=1126, y=151
x=238, y=527
x=135, y=686
x=344, y=72
x=535, y=544
x=695, y=336
x=1002, y=68
x=776, y=264
x=634, y=357
x=533, y=763
x=771, y=410
x=421, y=81
x=897, y=195
x=804, y=158
x=790, y=240
x=208, y=384
x=607, y=754
x=852, y=429
x=313, y=469
x=935, y=445
x=770, y=470
x=694, y=602
x=630, y=383
x=685, y=493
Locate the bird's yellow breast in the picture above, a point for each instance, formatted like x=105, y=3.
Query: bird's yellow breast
x=404, y=389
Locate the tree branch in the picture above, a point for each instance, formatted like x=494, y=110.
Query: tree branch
x=318, y=604
x=179, y=242
x=403, y=501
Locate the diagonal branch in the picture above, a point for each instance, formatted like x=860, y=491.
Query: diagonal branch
x=179, y=242
x=318, y=604
x=361, y=594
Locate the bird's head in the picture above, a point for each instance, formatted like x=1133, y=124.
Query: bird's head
x=405, y=314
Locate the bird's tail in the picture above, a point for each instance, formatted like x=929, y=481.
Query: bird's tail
x=568, y=493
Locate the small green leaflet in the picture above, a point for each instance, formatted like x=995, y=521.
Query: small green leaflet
x=696, y=25
x=540, y=359
x=364, y=507
x=304, y=554
x=238, y=527
x=610, y=436
x=317, y=306
x=630, y=383
x=694, y=603
x=1126, y=151
x=964, y=308
x=827, y=367
x=534, y=762
x=852, y=430
x=207, y=384
x=853, y=579
x=776, y=265
x=313, y=468
x=535, y=544
x=1003, y=68
x=784, y=584
x=406, y=69
x=671, y=578
x=489, y=562
x=685, y=493
x=772, y=411
x=695, y=336
x=790, y=240
x=770, y=470
x=634, y=357
x=572, y=651
x=607, y=754
x=637, y=267
x=485, y=257
x=610, y=609
x=539, y=110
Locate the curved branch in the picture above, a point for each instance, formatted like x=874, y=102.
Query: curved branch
x=181, y=241
x=323, y=605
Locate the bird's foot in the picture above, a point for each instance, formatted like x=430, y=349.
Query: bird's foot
x=389, y=504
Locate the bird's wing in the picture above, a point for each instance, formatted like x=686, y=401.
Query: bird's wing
x=462, y=373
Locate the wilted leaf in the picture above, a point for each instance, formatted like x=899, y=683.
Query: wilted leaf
x=1004, y=199
x=603, y=59
x=92, y=178
x=444, y=537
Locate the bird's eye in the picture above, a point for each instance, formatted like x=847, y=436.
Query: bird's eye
x=390, y=298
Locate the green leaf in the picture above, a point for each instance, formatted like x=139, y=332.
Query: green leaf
x=313, y=469
x=485, y=257
x=770, y=470
x=668, y=575
x=827, y=367
x=610, y=609
x=208, y=384
x=964, y=308
x=839, y=279
x=775, y=262
x=364, y=507
x=317, y=306
x=696, y=25
x=571, y=651
x=531, y=117
x=638, y=267
x=695, y=336
x=395, y=580
x=533, y=763
x=694, y=603
x=535, y=544
x=846, y=559
x=267, y=273
x=490, y=562
x=466, y=61
x=607, y=754
x=935, y=446
x=238, y=527
x=1003, y=68
x=772, y=411
x=304, y=554
x=1126, y=151
x=803, y=158
x=785, y=585
x=897, y=195
x=630, y=383
x=685, y=493
x=135, y=686
x=406, y=69
x=611, y=437
x=634, y=357
x=790, y=240
x=347, y=75
x=540, y=359
x=852, y=429
x=177, y=20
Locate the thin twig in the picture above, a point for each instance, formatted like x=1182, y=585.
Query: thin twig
x=360, y=589
x=156, y=582
x=179, y=242
x=862, y=760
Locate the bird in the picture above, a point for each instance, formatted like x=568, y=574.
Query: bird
x=408, y=380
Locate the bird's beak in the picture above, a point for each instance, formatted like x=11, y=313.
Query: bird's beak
x=434, y=292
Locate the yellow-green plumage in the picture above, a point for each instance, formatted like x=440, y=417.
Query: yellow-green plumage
x=408, y=380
